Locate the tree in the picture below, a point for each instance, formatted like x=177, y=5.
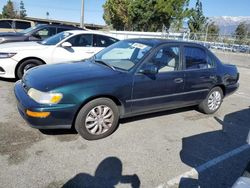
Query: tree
x=22, y=13
x=197, y=21
x=241, y=33
x=213, y=32
x=116, y=14
x=8, y=10
x=144, y=15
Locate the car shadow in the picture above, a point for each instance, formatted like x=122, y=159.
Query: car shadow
x=58, y=131
x=156, y=114
x=108, y=174
x=8, y=79
x=203, y=152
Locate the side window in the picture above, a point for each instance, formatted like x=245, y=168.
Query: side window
x=103, y=41
x=6, y=24
x=167, y=59
x=45, y=33
x=61, y=29
x=22, y=25
x=195, y=58
x=84, y=40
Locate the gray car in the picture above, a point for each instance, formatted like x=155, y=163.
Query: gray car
x=36, y=33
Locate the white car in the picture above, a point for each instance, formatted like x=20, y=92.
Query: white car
x=75, y=45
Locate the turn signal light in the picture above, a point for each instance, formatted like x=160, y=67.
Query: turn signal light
x=37, y=114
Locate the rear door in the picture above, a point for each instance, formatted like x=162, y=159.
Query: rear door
x=163, y=89
x=199, y=73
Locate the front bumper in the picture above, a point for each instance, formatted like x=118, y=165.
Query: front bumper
x=7, y=68
x=230, y=89
x=61, y=115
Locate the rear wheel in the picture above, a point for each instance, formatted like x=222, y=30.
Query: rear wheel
x=212, y=102
x=26, y=65
x=97, y=119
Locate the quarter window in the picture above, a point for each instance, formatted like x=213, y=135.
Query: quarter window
x=167, y=59
x=195, y=58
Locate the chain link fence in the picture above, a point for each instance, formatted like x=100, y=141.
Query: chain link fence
x=230, y=43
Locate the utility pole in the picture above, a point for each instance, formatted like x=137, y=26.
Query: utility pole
x=82, y=15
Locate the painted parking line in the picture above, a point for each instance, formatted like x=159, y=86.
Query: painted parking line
x=194, y=172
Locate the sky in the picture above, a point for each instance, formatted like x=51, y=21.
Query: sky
x=69, y=10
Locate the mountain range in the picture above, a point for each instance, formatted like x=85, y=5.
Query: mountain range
x=228, y=24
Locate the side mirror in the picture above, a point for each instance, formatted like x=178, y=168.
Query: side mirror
x=66, y=45
x=149, y=69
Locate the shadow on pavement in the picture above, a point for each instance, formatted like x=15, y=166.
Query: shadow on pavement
x=58, y=131
x=8, y=79
x=199, y=149
x=157, y=114
x=107, y=175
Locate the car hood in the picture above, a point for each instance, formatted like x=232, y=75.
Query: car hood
x=7, y=34
x=49, y=77
x=21, y=46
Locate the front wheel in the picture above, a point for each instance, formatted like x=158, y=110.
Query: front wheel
x=212, y=102
x=97, y=119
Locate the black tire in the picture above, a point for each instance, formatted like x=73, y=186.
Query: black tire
x=25, y=65
x=80, y=122
x=204, y=105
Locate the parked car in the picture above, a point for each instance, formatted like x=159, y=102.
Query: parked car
x=128, y=78
x=36, y=33
x=75, y=45
x=15, y=25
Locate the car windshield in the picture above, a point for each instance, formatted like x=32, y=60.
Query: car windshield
x=123, y=55
x=56, y=38
x=25, y=31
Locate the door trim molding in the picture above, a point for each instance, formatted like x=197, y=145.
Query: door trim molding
x=165, y=96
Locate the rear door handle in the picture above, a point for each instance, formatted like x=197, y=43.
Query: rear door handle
x=178, y=80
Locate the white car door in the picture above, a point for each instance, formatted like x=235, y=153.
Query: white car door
x=82, y=48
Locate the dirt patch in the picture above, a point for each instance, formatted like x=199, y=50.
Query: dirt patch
x=14, y=141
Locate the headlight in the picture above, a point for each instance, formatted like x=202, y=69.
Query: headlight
x=44, y=97
x=7, y=55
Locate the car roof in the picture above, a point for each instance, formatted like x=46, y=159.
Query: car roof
x=159, y=41
x=75, y=32
x=57, y=25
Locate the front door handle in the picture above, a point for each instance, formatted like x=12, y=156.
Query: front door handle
x=178, y=80
x=90, y=52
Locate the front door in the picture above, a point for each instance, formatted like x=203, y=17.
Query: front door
x=82, y=48
x=161, y=90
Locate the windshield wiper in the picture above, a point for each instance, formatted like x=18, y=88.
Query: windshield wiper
x=104, y=63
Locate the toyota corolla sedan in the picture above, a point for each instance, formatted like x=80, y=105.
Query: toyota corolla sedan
x=128, y=78
x=16, y=58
